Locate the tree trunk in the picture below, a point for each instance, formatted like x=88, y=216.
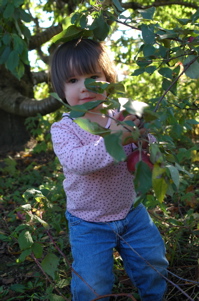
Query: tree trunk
x=13, y=134
x=16, y=104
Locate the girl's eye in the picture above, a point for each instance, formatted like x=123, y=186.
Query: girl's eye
x=72, y=80
x=95, y=76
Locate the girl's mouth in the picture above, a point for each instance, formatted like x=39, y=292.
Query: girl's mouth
x=86, y=99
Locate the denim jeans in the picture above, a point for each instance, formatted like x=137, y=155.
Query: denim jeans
x=140, y=245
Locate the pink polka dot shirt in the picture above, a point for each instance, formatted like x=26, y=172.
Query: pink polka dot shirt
x=98, y=189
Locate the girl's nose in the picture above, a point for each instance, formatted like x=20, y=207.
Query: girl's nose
x=83, y=87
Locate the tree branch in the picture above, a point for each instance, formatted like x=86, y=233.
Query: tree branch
x=14, y=102
x=40, y=77
x=135, y=5
x=43, y=57
x=174, y=81
x=39, y=39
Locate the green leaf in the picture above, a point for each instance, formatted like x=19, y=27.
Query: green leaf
x=195, y=16
x=117, y=5
x=183, y=170
x=49, y=264
x=20, y=70
x=75, y=18
x=37, y=249
x=54, y=297
x=6, y=39
x=163, y=51
x=159, y=183
x=26, y=207
x=41, y=221
x=148, y=34
x=142, y=180
x=193, y=70
x=31, y=193
x=25, y=240
x=5, y=54
x=19, y=288
x=150, y=69
x=148, y=50
x=114, y=146
x=192, y=121
x=166, y=72
x=174, y=175
x=115, y=88
x=177, y=129
x=83, y=21
x=135, y=107
x=4, y=237
x=13, y=60
x=80, y=110
x=55, y=95
x=149, y=115
x=17, y=3
x=166, y=84
x=143, y=62
x=70, y=33
x=24, y=56
x=63, y=283
x=9, y=10
x=19, y=44
x=155, y=153
x=101, y=29
x=184, y=21
x=147, y=13
x=138, y=72
x=25, y=31
x=25, y=16
x=92, y=127
x=169, y=34
x=94, y=86
x=24, y=254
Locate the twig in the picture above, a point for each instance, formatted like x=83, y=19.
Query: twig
x=186, y=280
x=176, y=79
x=40, y=267
x=115, y=295
x=148, y=263
x=58, y=249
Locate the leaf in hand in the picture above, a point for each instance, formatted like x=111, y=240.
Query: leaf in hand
x=94, y=86
x=114, y=146
x=92, y=127
x=80, y=110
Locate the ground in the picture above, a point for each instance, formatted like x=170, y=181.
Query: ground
x=25, y=280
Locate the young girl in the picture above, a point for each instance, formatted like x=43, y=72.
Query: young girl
x=100, y=192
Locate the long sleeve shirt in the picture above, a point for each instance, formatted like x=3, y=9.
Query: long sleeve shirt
x=98, y=189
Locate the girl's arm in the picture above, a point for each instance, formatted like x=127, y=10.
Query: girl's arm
x=73, y=155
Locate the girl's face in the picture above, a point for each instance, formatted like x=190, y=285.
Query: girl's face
x=76, y=92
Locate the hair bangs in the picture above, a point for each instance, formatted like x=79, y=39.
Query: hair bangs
x=81, y=63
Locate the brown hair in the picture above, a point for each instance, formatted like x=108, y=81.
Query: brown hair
x=81, y=56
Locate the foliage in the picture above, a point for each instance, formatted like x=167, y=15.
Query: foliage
x=14, y=36
x=159, y=65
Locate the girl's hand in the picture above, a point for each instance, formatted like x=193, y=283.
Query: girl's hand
x=130, y=134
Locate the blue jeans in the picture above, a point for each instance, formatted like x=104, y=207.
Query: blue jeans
x=140, y=245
